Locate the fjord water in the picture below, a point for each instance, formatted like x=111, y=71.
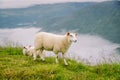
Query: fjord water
x=90, y=49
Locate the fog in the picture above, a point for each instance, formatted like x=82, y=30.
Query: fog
x=94, y=49
x=23, y=36
x=90, y=49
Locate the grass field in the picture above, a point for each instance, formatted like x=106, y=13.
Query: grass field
x=15, y=66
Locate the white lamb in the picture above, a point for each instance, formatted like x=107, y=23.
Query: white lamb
x=28, y=50
x=53, y=42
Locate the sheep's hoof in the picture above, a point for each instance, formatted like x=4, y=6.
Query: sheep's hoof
x=43, y=60
x=34, y=59
x=66, y=64
x=56, y=63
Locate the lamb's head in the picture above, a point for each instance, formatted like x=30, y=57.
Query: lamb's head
x=26, y=49
x=72, y=37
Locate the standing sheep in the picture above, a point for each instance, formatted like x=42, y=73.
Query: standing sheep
x=53, y=42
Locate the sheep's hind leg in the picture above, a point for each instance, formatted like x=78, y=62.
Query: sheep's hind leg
x=40, y=52
x=56, y=60
x=42, y=56
x=34, y=55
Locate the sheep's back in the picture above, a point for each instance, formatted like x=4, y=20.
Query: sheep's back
x=47, y=40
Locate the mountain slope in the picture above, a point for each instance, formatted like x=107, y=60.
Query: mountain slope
x=40, y=14
x=94, y=18
x=101, y=19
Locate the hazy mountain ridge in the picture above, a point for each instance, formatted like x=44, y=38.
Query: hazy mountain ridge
x=102, y=18
x=42, y=14
x=93, y=18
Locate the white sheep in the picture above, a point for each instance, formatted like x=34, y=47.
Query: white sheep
x=53, y=42
x=28, y=50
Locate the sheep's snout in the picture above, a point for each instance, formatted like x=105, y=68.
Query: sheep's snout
x=74, y=40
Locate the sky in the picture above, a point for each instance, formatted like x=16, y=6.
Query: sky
x=26, y=3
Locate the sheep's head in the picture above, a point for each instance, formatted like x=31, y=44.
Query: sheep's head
x=26, y=49
x=72, y=37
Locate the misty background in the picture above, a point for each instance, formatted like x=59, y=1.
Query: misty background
x=97, y=25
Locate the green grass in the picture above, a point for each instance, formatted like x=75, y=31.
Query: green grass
x=15, y=66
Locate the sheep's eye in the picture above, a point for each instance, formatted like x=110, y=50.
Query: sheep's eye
x=71, y=36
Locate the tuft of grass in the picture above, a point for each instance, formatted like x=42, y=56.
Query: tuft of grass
x=10, y=50
x=15, y=66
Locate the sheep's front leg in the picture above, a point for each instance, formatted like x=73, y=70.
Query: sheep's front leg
x=56, y=57
x=65, y=62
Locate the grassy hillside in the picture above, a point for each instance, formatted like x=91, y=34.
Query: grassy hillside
x=15, y=66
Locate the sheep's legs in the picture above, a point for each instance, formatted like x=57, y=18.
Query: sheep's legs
x=56, y=59
x=65, y=62
x=41, y=55
x=34, y=55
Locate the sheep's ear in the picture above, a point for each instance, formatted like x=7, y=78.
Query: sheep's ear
x=68, y=33
x=24, y=47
